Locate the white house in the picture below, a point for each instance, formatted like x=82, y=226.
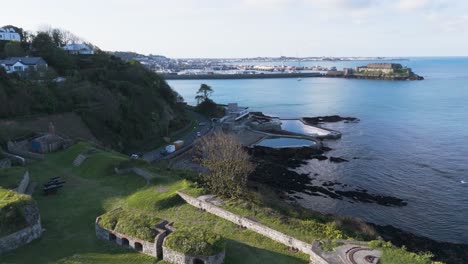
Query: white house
x=22, y=64
x=78, y=48
x=9, y=34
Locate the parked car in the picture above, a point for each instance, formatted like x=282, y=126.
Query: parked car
x=198, y=134
x=135, y=156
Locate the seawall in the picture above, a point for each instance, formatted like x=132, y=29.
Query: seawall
x=240, y=76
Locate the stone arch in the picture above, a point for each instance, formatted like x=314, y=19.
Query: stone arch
x=125, y=242
x=112, y=237
x=138, y=246
x=198, y=261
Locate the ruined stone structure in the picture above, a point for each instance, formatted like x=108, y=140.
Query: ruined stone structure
x=25, y=235
x=156, y=248
x=146, y=247
x=175, y=257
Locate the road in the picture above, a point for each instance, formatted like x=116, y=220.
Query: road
x=188, y=139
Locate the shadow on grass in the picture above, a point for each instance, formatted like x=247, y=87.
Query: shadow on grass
x=237, y=252
x=169, y=202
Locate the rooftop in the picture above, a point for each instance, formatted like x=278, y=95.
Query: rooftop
x=23, y=60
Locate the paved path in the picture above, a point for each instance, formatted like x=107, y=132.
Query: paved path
x=188, y=139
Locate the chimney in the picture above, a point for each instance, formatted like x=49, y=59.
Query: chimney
x=51, y=129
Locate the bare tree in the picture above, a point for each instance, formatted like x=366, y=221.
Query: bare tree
x=228, y=164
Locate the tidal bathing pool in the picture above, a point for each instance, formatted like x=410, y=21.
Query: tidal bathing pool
x=297, y=126
x=284, y=142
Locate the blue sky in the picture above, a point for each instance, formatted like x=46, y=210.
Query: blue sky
x=247, y=28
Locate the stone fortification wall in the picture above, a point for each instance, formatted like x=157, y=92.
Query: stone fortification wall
x=24, y=183
x=25, y=235
x=145, y=247
x=180, y=258
x=256, y=227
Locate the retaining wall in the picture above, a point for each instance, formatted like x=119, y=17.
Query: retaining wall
x=20, y=238
x=180, y=258
x=24, y=183
x=16, y=149
x=256, y=227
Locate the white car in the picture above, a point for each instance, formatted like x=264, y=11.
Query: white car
x=198, y=134
x=135, y=156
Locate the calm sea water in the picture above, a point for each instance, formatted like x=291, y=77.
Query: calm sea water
x=412, y=141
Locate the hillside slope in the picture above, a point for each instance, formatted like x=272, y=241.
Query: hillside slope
x=125, y=105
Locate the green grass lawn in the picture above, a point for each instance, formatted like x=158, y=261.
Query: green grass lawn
x=10, y=178
x=93, y=189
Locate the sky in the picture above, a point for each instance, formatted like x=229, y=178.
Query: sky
x=251, y=28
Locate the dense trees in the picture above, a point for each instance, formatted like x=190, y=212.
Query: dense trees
x=125, y=105
x=228, y=164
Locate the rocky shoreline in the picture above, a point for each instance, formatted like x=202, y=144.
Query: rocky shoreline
x=276, y=170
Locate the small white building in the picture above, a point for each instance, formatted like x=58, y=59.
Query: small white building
x=78, y=48
x=23, y=64
x=9, y=34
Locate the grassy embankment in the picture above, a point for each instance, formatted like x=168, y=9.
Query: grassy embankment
x=11, y=211
x=93, y=189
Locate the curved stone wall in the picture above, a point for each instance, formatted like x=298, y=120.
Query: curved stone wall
x=175, y=257
x=21, y=238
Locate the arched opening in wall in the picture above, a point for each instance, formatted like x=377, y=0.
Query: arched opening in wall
x=112, y=237
x=198, y=261
x=125, y=242
x=138, y=246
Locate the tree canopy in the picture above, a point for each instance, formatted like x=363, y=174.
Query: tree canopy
x=125, y=105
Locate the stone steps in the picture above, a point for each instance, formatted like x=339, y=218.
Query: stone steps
x=79, y=160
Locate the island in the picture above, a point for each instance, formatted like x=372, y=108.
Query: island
x=377, y=71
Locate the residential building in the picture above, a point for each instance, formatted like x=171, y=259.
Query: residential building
x=78, y=48
x=9, y=34
x=23, y=64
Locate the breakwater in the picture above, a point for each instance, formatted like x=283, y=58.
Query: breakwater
x=240, y=76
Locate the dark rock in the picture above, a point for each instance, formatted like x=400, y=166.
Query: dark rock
x=338, y=160
x=274, y=170
x=328, y=119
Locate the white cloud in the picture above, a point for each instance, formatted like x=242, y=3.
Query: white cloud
x=411, y=5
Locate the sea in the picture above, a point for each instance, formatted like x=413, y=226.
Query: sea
x=411, y=141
